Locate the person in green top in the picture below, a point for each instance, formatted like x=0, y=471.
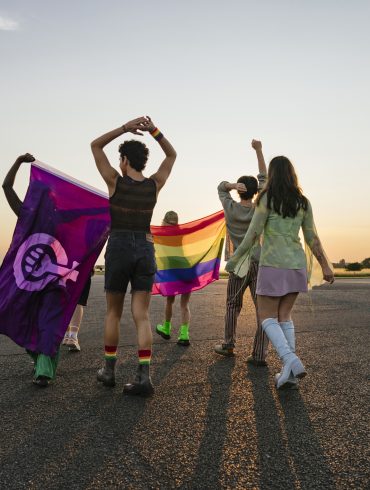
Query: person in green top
x=281, y=210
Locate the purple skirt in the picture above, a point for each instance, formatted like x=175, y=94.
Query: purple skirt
x=272, y=281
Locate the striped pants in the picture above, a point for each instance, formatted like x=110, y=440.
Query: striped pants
x=236, y=287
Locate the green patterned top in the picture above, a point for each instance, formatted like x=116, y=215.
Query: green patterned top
x=281, y=245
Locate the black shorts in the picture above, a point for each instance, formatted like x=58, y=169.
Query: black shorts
x=129, y=258
x=85, y=293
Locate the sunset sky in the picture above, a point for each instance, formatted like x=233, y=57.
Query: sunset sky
x=212, y=75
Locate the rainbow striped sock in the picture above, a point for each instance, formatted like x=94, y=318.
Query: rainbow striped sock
x=110, y=351
x=145, y=356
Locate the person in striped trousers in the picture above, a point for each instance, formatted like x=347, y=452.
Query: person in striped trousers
x=238, y=216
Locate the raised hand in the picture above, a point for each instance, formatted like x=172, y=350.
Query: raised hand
x=256, y=145
x=136, y=125
x=240, y=187
x=150, y=126
x=27, y=157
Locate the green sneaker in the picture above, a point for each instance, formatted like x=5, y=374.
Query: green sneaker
x=184, y=336
x=164, y=330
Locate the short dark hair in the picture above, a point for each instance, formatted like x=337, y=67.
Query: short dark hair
x=136, y=152
x=251, y=183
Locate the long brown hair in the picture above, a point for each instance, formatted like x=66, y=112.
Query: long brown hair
x=283, y=192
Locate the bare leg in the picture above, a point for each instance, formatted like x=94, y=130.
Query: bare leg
x=140, y=312
x=185, y=310
x=268, y=307
x=169, y=303
x=286, y=306
x=74, y=328
x=113, y=317
x=75, y=323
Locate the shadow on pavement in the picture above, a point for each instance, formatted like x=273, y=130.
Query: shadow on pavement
x=287, y=442
x=53, y=452
x=310, y=463
x=207, y=468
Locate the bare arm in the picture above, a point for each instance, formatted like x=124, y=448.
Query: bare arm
x=165, y=167
x=14, y=202
x=319, y=253
x=238, y=186
x=106, y=170
x=312, y=239
x=257, y=145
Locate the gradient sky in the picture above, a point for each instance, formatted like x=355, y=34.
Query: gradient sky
x=212, y=75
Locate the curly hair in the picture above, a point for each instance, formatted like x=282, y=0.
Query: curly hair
x=136, y=152
x=283, y=192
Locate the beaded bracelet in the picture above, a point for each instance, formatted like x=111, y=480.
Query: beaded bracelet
x=157, y=135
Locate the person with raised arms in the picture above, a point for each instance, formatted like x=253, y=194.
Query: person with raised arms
x=130, y=256
x=238, y=216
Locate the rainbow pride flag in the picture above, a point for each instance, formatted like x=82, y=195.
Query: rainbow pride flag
x=188, y=256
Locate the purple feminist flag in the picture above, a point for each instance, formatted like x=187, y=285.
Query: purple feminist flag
x=61, y=230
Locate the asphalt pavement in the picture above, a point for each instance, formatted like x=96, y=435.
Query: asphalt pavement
x=213, y=423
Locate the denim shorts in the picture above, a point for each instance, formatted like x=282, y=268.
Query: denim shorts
x=129, y=258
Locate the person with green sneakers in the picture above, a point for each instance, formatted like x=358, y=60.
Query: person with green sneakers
x=171, y=219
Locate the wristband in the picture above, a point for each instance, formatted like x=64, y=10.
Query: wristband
x=157, y=135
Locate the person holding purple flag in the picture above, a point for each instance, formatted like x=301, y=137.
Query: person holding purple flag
x=130, y=256
x=44, y=366
x=61, y=229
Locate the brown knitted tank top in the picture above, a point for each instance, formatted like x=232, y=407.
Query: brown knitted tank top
x=132, y=204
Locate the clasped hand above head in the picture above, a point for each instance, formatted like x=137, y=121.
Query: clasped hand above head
x=136, y=126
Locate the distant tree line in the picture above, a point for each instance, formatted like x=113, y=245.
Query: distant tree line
x=353, y=266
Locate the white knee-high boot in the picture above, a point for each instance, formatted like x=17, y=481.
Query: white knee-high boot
x=291, y=363
x=288, y=330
